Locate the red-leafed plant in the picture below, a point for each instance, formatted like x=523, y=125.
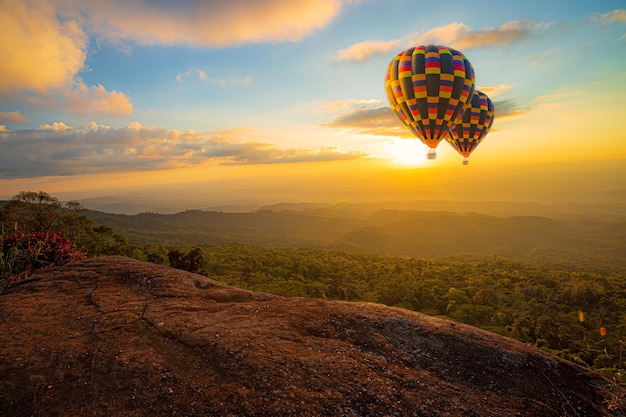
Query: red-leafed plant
x=23, y=253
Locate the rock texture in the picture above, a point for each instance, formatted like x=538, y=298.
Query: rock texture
x=112, y=336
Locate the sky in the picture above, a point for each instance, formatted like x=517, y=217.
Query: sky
x=221, y=101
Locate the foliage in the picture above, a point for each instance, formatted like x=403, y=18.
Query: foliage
x=594, y=240
x=23, y=253
x=557, y=285
x=30, y=212
x=557, y=308
x=191, y=261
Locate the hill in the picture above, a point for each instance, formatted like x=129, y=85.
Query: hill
x=118, y=337
x=422, y=234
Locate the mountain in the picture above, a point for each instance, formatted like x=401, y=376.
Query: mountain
x=113, y=336
x=415, y=233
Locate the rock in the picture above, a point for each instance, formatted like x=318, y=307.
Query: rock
x=112, y=336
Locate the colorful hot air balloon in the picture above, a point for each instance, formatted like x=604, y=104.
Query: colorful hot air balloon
x=474, y=124
x=428, y=87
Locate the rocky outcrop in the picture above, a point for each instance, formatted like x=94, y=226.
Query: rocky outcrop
x=112, y=336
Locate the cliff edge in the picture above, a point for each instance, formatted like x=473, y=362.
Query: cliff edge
x=112, y=336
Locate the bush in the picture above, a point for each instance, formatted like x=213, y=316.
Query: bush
x=23, y=253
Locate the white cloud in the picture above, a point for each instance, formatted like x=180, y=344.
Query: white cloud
x=201, y=75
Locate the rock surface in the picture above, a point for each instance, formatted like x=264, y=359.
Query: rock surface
x=113, y=336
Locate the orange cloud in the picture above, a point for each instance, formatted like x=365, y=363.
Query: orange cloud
x=97, y=100
x=493, y=91
x=211, y=23
x=501, y=35
x=457, y=35
x=42, y=56
x=38, y=51
x=617, y=15
x=61, y=149
x=445, y=35
x=363, y=50
x=12, y=117
x=343, y=105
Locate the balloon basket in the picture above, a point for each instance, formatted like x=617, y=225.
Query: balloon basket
x=432, y=154
x=466, y=161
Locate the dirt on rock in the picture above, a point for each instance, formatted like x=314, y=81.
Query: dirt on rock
x=112, y=336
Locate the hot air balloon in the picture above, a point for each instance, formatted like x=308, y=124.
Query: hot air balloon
x=428, y=87
x=472, y=127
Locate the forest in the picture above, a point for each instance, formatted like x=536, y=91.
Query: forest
x=558, y=284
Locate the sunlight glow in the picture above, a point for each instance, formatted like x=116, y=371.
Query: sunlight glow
x=409, y=152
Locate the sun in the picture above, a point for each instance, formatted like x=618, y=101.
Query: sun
x=409, y=152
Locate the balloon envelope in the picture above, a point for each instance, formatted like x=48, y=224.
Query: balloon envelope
x=474, y=124
x=428, y=88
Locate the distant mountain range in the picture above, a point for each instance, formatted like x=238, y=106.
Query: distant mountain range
x=563, y=236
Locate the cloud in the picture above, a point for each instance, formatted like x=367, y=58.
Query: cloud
x=96, y=100
x=39, y=52
x=377, y=121
x=456, y=34
x=343, y=105
x=445, y=35
x=508, y=108
x=263, y=154
x=501, y=35
x=616, y=16
x=202, y=76
x=192, y=73
x=203, y=23
x=493, y=91
x=58, y=149
x=381, y=120
x=42, y=57
x=363, y=50
x=56, y=126
x=12, y=117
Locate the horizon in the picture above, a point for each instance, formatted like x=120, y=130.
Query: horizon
x=199, y=102
x=592, y=186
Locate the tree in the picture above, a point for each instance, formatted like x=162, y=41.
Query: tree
x=191, y=261
x=32, y=212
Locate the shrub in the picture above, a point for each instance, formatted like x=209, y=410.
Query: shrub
x=23, y=253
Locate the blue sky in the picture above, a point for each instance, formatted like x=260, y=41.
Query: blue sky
x=92, y=88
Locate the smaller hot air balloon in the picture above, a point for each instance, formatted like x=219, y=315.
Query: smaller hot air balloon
x=472, y=127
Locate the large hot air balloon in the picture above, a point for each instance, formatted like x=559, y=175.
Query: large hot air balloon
x=428, y=87
x=470, y=129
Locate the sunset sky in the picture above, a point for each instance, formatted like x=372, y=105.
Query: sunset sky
x=279, y=99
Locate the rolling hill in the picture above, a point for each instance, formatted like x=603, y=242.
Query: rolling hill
x=425, y=234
